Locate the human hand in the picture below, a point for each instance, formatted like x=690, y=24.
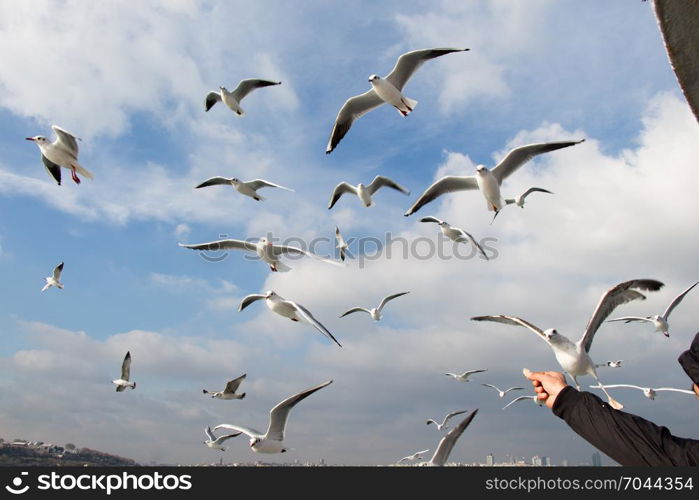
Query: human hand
x=546, y=384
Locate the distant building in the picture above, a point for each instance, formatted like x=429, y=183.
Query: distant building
x=546, y=461
x=596, y=460
x=536, y=461
x=490, y=460
x=564, y=463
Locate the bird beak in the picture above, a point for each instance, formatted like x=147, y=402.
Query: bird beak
x=667, y=334
x=29, y=138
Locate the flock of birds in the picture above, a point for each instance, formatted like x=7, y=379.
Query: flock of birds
x=573, y=357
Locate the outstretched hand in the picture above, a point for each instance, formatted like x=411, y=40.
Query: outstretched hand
x=546, y=384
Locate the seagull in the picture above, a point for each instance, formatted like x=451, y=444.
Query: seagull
x=488, y=181
x=464, y=376
x=441, y=454
x=414, y=456
x=454, y=233
x=216, y=442
x=383, y=90
x=443, y=425
x=55, y=279
x=660, y=322
x=232, y=99
x=501, y=392
x=519, y=200
x=288, y=309
x=573, y=357
x=539, y=402
x=248, y=188
x=272, y=441
x=648, y=392
x=341, y=244
x=63, y=152
x=123, y=382
x=365, y=192
x=375, y=312
x=610, y=364
x=264, y=249
x=229, y=391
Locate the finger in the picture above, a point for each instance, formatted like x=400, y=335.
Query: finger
x=543, y=395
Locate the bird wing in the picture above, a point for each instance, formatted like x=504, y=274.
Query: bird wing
x=473, y=242
x=522, y=154
x=249, y=300
x=471, y=372
x=351, y=110
x=677, y=300
x=211, y=98
x=248, y=431
x=672, y=389
x=610, y=300
x=209, y=433
x=57, y=271
x=354, y=310
x=385, y=300
x=617, y=386
x=126, y=367
x=447, y=443
x=233, y=385
x=447, y=184
x=408, y=63
x=520, y=399
x=341, y=243
x=381, y=181
x=306, y=314
x=280, y=413
x=223, y=245
x=534, y=190
x=214, y=181
x=339, y=190
x=53, y=169
x=629, y=319
x=67, y=140
x=260, y=183
x=247, y=86
x=513, y=320
x=490, y=385
x=452, y=414
x=431, y=219
x=284, y=249
x=225, y=437
x=514, y=389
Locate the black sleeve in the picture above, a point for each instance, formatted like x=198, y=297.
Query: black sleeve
x=628, y=439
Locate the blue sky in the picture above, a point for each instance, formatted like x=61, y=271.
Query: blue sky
x=131, y=84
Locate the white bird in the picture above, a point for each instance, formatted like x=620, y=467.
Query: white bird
x=464, y=376
x=248, y=188
x=232, y=99
x=501, y=392
x=539, y=402
x=341, y=244
x=660, y=322
x=63, y=152
x=488, y=181
x=375, y=312
x=648, y=392
x=215, y=442
x=55, y=279
x=610, y=364
x=123, y=382
x=446, y=444
x=272, y=441
x=265, y=249
x=383, y=90
x=520, y=200
x=414, y=456
x=574, y=357
x=229, y=391
x=365, y=193
x=455, y=234
x=287, y=309
x=443, y=425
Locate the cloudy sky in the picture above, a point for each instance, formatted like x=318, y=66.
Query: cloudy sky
x=131, y=83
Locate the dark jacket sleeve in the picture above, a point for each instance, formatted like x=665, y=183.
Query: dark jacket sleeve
x=628, y=439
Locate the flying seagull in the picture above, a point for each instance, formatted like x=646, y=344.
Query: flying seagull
x=248, y=188
x=63, y=152
x=55, y=279
x=123, y=382
x=610, y=364
x=287, y=309
x=539, y=402
x=341, y=244
x=443, y=425
x=488, y=181
x=365, y=193
x=520, y=200
x=383, y=90
x=464, y=376
x=265, y=249
x=375, y=312
x=229, y=391
x=660, y=322
x=573, y=357
x=648, y=392
x=446, y=444
x=501, y=392
x=232, y=99
x=414, y=456
x=455, y=234
x=216, y=442
x=272, y=441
